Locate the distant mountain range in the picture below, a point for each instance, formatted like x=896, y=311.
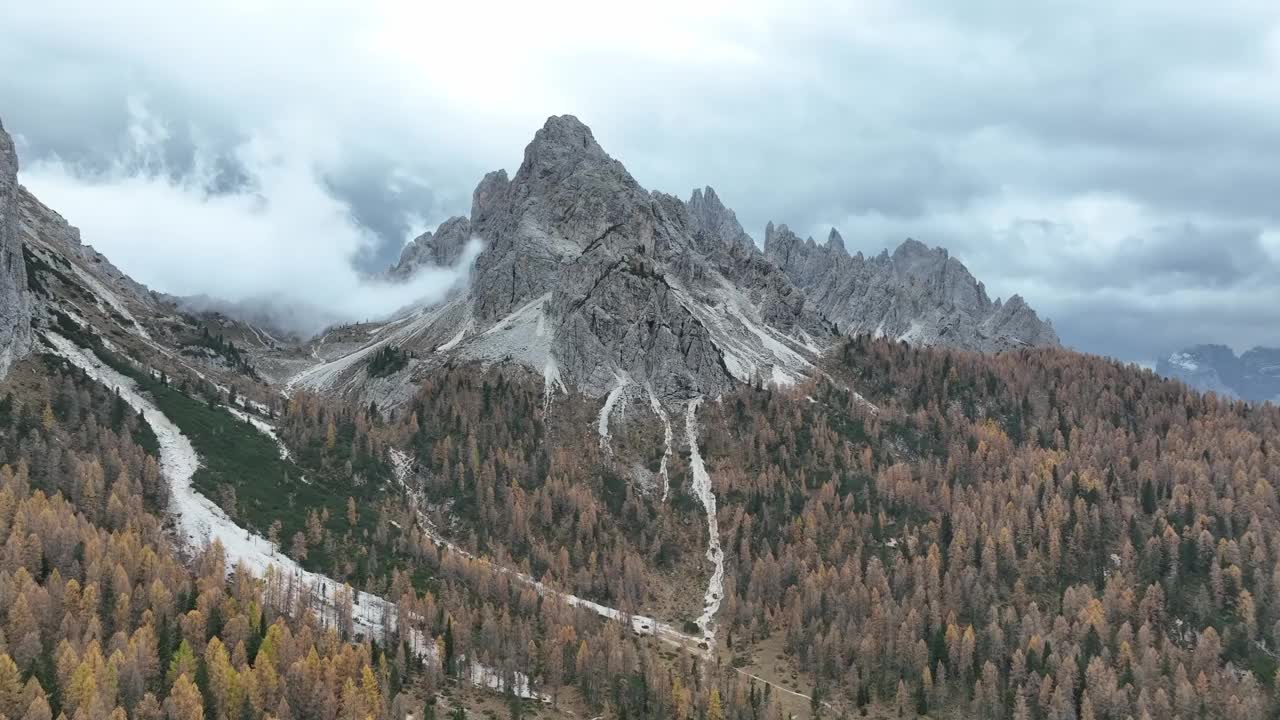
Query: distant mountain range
x=1253, y=376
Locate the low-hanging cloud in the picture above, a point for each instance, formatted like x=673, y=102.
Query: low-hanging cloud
x=279, y=244
x=1112, y=162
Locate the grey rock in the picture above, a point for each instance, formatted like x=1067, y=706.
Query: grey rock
x=918, y=294
x=716, y=227
x=593, y=281
x=441, y=248
x=15, y=302
x=835, y=243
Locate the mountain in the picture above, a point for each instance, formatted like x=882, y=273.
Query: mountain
x=15, y=306
x=588, y=279
x=591, y=281
x=1253, y=376
x=909, y=532
x=918, y=294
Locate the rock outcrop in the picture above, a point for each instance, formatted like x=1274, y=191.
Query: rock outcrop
x=15, y=303
x=1253, y=376
x=917, y=294
x=440, y=248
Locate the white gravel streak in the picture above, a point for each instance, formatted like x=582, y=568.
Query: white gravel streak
x=702, y=488
x=263, y=427
x=200, y=522
x=550, y=380
x=462, y=333
x=111, y=299
x=602, y=423
x=640, y=624
x=269, y=430
x=667, y=438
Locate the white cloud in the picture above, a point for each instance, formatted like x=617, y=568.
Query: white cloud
x=1270, y=240
x=283, y=236
x=1049, y=149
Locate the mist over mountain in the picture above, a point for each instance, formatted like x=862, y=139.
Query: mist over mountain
x=1254, y=375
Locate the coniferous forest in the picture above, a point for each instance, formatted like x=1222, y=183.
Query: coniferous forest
x=1030, y=535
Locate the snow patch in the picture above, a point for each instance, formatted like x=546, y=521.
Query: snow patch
x=1184, y=361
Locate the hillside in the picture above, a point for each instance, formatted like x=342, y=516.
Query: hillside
x=632, y=469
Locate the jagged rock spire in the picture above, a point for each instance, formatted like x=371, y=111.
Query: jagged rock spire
x=835, y=243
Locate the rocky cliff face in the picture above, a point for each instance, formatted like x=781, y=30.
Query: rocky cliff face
x=918, y=294
x=1253, y=376
x=598, y=284
x=593, y=281
x=15, y=304
x=440, y=248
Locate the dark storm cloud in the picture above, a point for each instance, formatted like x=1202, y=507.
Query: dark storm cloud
x=1112, y=162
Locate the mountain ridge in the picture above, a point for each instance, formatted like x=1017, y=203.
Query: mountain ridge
x=590, y=279
x=595, y=283
x=918, y=294
x=1253, y=375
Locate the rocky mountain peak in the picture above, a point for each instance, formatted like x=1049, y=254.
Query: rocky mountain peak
x=441, y=247
x=780, y=243
x=835, y=243
x=597, y=283
x=913, y=253
x=488, y=196
x=716, y=223
x=564, y=146
x=594, y=282
x=15, y=305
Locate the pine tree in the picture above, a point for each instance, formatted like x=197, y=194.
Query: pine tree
x=11, y=700
x=184, y=701
x=714, y=710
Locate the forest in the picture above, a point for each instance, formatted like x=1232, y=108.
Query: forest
x=1032, y=535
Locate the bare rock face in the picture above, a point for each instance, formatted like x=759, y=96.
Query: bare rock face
x=593, y=281
x=440, y=248
x=15, y=303
x=918, y=294
x=631, y=279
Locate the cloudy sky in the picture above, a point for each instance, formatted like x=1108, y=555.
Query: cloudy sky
x=1117, y=163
